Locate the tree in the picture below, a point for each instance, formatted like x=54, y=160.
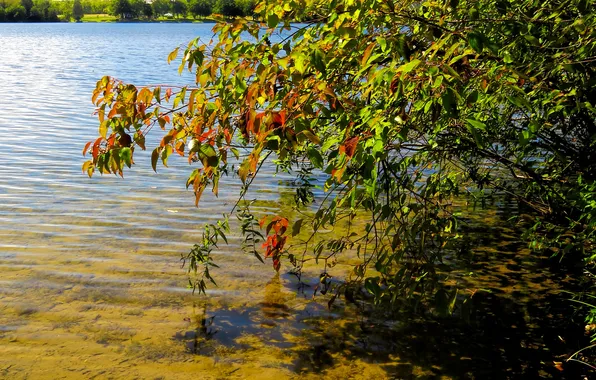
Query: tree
x=147, y=11
x=27, y=4
x=77, y=10
x=43, y=10
x=16, y=13
x=227, y=8
x=389, y=115
x=137, y=7
x=160, y=7
x=247, y=7
x=2, y=14
x=179, y=8
x=121, y=8
x=200, y=8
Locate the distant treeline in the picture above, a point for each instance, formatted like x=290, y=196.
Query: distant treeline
x=29, y=10
x=66, y=10
x=181, y=8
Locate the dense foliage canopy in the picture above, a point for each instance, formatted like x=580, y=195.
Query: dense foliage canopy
x=388, y=114
x=28, y=10
x=77, y=10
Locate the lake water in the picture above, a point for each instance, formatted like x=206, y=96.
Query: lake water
x=91, y=284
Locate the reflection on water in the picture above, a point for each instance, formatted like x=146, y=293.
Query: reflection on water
x=91, y=285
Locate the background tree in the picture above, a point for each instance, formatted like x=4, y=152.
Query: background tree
x=43, y=10
x=247, y=7
x=16, y=13
x=95, y=6
x=179, y=8
x=161, y=7
x=200, y=8
x=77, y=10
x=2, y=14
x=147, y=11
x=390, y=116
x=227, y=8
x=121, y=8
x=137, y=7
x=27, y=4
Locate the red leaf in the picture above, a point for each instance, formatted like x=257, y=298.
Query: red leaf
x=95, y=150
x=86, y=147
x=349, y=146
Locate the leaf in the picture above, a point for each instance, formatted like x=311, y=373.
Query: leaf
x=244, y=170
x=165, y=154
x=531, y=39
x=103, y=129
x=476, y=41
x=315, y=157
x=475, y=135
x=86, y=165
x=272, y=20
x=476, y=124
x=317, y=59
x=366, y=54
x=382, y=43
x=126, y=156
x=520, y=102
x=207, y=150
x=296, y=227
x=208, y=155
x=449, y=103
x=154, y=158
x=312, y=137
x=409, y=66
x=172, y=56
x=86, y=148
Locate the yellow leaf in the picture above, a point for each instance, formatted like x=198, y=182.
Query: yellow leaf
x=172, y=56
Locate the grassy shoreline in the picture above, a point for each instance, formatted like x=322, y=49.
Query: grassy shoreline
x=110, y=18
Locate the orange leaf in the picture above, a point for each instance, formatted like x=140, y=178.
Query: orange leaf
x=350, y=146
x=95, y=150
x=86, y=147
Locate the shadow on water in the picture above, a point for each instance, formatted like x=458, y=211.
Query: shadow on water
x=519, y=324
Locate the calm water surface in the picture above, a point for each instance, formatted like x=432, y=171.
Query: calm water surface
x=91, y=285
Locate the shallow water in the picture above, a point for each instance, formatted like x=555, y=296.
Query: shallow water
x=91, y=284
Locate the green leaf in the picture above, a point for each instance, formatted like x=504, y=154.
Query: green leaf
x=476, y=41
x=312, y=137
x=154, y=158
x=476, y=124
x=165, y=154
x=507, y=58
x=315, y=157
x=409, y=66
x=318, y=60
x=272, y=20
x=207, y=150
x=473, y=97
x=126, y=156
x=450, y=103
x=531, y=39
x=520, y=102
x=382, y=43
x=474, y=131
x=296, y=227
x=208, y=155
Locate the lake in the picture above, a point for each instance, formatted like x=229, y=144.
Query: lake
x=92, y=284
